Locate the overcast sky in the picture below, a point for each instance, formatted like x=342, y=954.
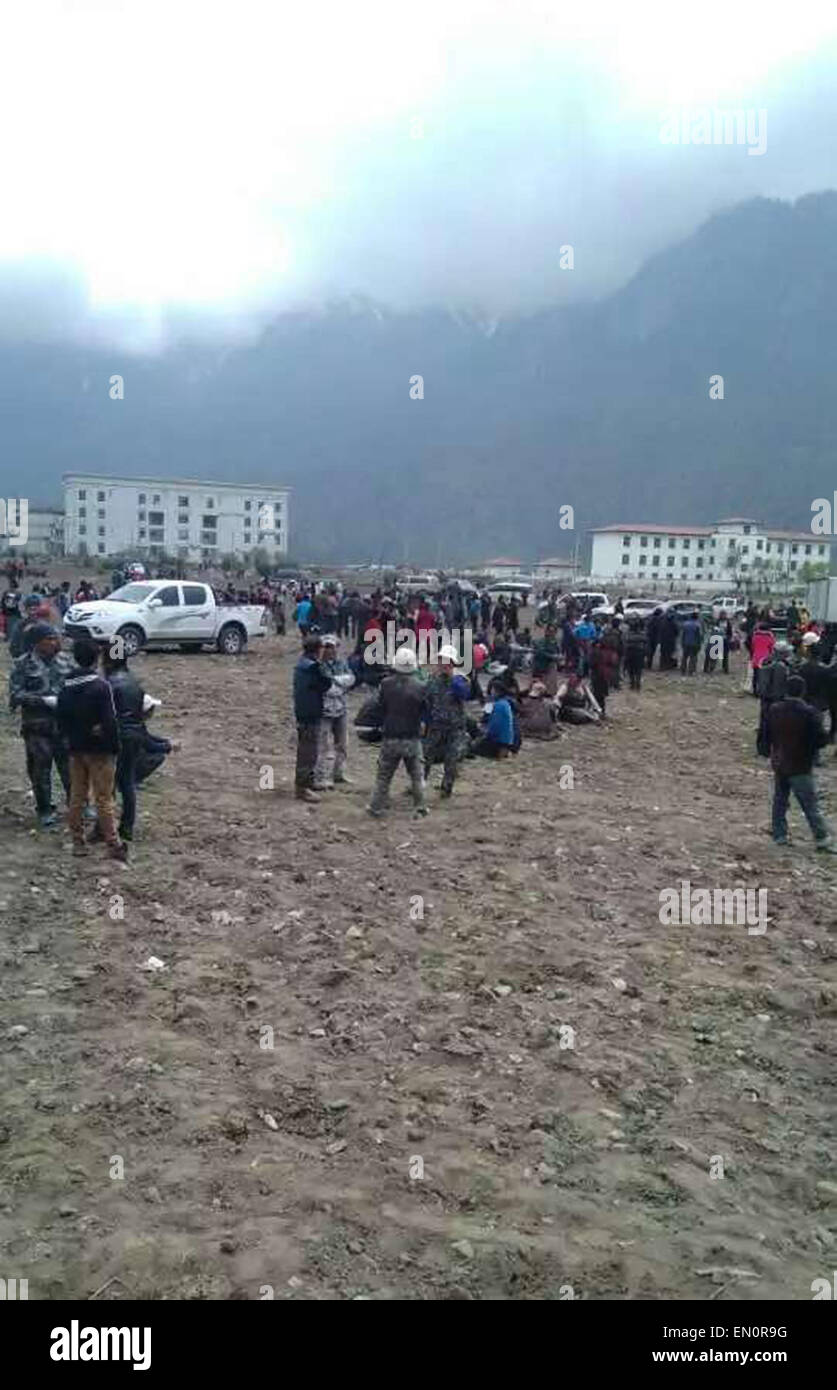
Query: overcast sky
x=228, y=159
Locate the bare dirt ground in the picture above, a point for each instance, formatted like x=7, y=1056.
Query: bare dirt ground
x=545, y=1167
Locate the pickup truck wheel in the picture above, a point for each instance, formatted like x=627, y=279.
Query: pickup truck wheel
x=132, y=638
x=231, y=640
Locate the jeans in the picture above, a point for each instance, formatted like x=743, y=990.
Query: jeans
x=804, y=789
x=393, y=750
x=92, y=770
x=331, y=762
x=688, y=660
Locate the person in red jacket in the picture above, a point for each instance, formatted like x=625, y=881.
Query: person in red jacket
x=604, y=667
x=762, y=643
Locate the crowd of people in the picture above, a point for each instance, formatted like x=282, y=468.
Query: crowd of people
x=83, y=716
x=86, y=716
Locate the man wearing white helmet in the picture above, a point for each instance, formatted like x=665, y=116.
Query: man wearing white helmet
x=447, y=738
x=402, y=699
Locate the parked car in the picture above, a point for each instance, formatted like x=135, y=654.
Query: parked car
x=728, y=606
x=158, y=613
x=509, y=587
x=644, y=607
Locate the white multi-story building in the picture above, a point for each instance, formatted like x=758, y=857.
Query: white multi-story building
x=183, y=517
x=703, y=555
x=44, y=532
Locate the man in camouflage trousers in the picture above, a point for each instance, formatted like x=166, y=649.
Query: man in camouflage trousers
x=447, y=738
x=34, y=683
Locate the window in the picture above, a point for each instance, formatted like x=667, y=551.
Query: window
x=247, y=523
x=747, y=530
x=141, y=500
x=101, y=530
x=210, y=503
x=156, y=518
x=656, y=542
x=701, y=545
x=745, y=550
x=686, y=543
x=155, y=501
x=100, y=497
x=82, y=511
x=643, y=540
x=101, y=548
x=684, y=562
x=82, y=530
x=794, y=549
x=183, y=518
x=793, y=564
x=712, y=543
x=82, y=494
x=779, y=548
x=183, y=501
x=140, y=516
x=210, y=522
x=768, y=548
x=101, y=513
x=820, y=549
x=141, y=533
x=209, y=538
x=194, y=593
x=169, y=597
x=626, y=559
x=248, y=507
x=670, y=560
x=671, y=545
x=807, y=550
x=731, y=543
x=699, y=562
x=759, y=545
x=183, y=535
x=643, y=559
x=156, y=535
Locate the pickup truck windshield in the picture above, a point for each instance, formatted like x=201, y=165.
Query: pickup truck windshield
x=131, y=593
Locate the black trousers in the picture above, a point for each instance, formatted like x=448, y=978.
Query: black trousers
x=42, y=750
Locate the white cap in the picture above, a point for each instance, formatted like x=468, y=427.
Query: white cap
x=448, y=653
x=404, y=660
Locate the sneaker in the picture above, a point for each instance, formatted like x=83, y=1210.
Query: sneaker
x=781, y=840
x=826, y=847
x=372, y=812
x=79, y=851
x=306, y=794
x=118, y=851
x=344, y=781
x=445, y=791
x=89, y=813
x=421, y=811
x=48, y=820
x=126, y=835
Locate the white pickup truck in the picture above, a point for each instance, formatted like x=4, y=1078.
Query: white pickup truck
x=165, y=613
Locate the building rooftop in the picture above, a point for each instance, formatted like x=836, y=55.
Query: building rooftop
x=766, y=532
x=172, y=482
x=555, y=560
x=501, y=560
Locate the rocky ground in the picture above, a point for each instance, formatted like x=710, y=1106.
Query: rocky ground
x=518, y=1094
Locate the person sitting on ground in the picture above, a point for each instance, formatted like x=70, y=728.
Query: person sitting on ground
x=576, y=702
x=537, y=714
x=501, y=735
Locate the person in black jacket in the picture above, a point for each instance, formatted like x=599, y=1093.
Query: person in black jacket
x=794, y=734
x=128, y=697
x=311, y=681
x=402, y=700
x=87, y=718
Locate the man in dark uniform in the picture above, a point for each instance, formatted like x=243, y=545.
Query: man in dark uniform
x=34, y=684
